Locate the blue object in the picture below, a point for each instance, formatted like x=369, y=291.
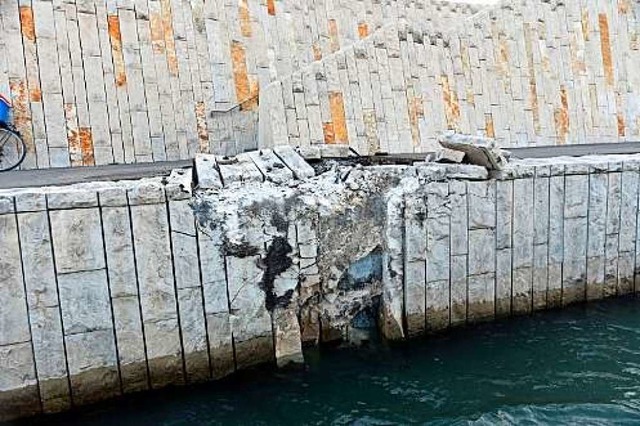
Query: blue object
x=5, y=110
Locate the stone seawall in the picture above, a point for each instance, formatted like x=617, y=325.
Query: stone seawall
x=110, y=288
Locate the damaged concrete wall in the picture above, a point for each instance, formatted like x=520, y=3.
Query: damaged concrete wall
x=111, y=288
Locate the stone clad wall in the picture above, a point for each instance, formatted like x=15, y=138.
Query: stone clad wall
x=100, y=82
x=111, y=288
x=525, y=73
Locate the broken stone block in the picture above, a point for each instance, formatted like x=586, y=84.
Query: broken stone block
x=271, y=166
x=478, y=150
x=446, y=155
x=208, y=176
x=300, y=168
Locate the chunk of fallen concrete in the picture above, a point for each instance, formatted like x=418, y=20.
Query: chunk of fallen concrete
x=207, y=173
x=300, y=168
x=478, y=150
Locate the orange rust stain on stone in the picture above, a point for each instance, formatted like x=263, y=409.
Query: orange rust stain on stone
x=621, y=125
x=27, y=24
x=317, y=52
x=240, y=76
x=503, y=56
x=271, y=7
x=488, y=127
x=329, y=133
x=605, y=46
x=35, y=95
x=585, y=24
x=115, y=37
x=363, y=29
x=620, y=117
x=415, y=111
x=201, y=123
x=245, y=18
x=86, y=146
x=452, y=106
x=338, y=117
x=157, y=33
x=623, y=7
x=21, y=111
x=333, y=35
x=561, y=116
x=169, y=41
x=73, y=135
x=533, y=89
x=251, y=103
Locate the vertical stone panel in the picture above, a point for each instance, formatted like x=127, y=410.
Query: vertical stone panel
x=216, y=301
x=628, y=218
x=187, y=276
x=123, y=286
x=14, y=327
x=504, y=235
x=84, y=300
x=556, y=236
x=596, y=233
x=541, y=237
x=574, y=272
x=612, y=230
x=438, y=256
x=415, y=222
x=459, y=244
x=482, y=250
x=523, y=238
x=18, y=385
x=44, y=310
x=250, y=320
x=157, y=292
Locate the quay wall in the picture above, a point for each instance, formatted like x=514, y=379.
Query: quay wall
x=117, y=287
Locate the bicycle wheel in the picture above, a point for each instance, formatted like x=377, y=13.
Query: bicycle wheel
x=12, y=150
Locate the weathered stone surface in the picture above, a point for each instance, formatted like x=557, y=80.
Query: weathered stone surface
x=503, y=282
x=239, y=169
x=14, y=325
x=18, y=386
x=270, y=166
x=300, y=168
x=481, y=251
x=85, y=303
x=130, y=341
x=458, y=289
x=119, y=249
x=482, y=204
x=48, y=347
x=207, y=172
x=194, y=334
x=288, y=341
x=153, y=262
x=77, y=240
x=164, y=352
x=481, y=301
x=92, y=366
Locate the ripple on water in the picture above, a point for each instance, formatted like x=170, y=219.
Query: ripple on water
x=578, y=365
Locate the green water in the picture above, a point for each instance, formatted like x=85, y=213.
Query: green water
x=580, y=365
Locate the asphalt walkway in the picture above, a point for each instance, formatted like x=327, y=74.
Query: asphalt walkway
x=66, y=176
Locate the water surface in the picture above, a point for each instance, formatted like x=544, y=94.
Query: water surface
x=580, y=364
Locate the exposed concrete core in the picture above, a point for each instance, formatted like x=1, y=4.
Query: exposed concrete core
x=111, y=288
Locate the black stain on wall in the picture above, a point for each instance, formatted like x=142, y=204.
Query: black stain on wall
x=274, y=263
